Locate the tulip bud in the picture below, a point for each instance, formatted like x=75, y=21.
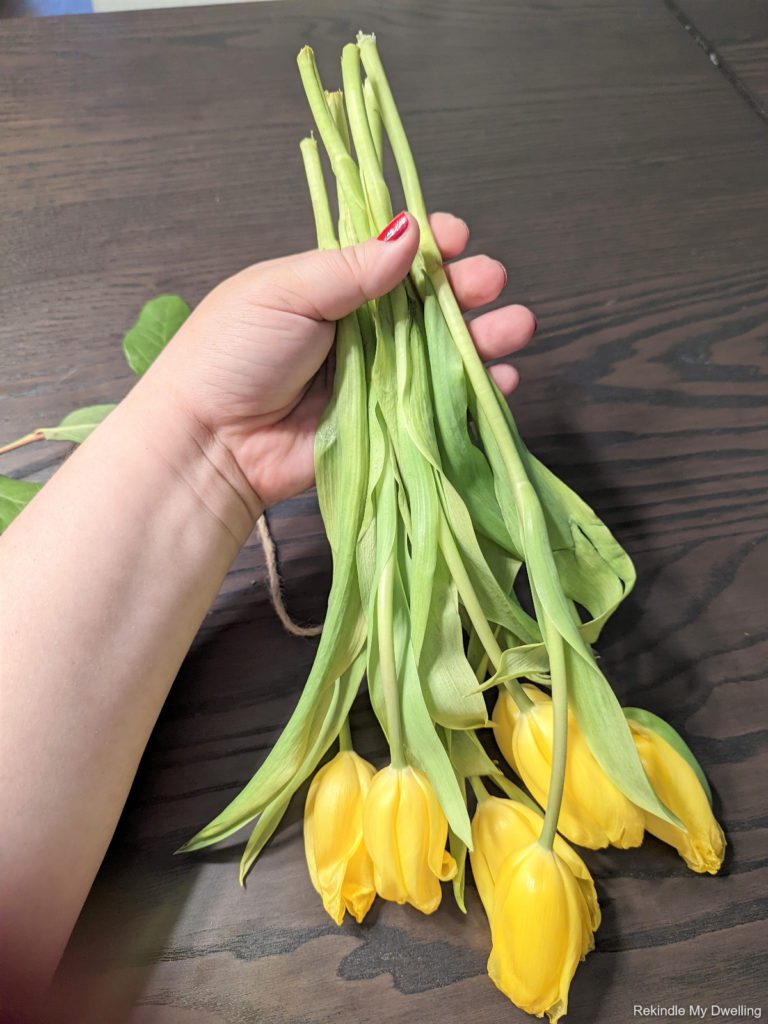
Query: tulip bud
x=405, y=832
x=594, y=812
x=339, y=865
x=541, y=927
x=702, y=844
x=502, y=828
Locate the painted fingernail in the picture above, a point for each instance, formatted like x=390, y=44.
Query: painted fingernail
x=395, y=228
x=535, y=322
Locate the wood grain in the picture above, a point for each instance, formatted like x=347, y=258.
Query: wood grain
x=735, y=37
x=592, y=148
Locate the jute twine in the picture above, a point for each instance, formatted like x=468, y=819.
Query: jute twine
x=275, y=583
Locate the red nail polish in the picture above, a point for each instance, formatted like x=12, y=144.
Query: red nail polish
x=395, y=228
x=535, y=322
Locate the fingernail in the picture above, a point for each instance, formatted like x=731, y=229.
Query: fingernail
x=535, y=322
x=395, y=228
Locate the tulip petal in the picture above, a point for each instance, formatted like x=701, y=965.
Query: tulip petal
x=358, y=890
x=416, y=846
x=333, y=832
x=541, y=928
x=594, y=812
x=702, y=845
x=380, y=814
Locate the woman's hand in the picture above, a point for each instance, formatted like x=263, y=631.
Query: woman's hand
x=116, y=561
x=249, y=366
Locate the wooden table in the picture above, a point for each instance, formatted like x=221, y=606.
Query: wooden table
x=623, y=178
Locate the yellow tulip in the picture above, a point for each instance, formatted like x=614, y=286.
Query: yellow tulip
x=502, y=828
x=702, y=845
x=339, y=865
x=594, y=813
x=541, y=927
x=405, y=831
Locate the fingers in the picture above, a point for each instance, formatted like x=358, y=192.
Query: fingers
x=451, y=234
x=507, y=378
x=328, y=284
x=502, y=331
x=476, y=280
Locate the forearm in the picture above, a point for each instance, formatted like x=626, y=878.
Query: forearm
x=104, y=580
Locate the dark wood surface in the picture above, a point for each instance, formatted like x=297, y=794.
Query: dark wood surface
x=593, y=147
x=735, y=36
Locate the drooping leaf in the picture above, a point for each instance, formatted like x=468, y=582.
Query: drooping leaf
x=424, y=748
x=450, y=687
x=463, y=463
x=456, y=844
x=263, y=831
x=415, y=440
x=518, y=663
x=601, y=720
x=158, y=321
x=469, y=757
x=14, y=496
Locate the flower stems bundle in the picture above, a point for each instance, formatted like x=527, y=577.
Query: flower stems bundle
x=433, y=508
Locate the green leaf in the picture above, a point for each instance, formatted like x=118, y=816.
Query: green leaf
x=468, y=756
x=519, y=662
x=158, y=321
x=465, y=466
x=75, y=427
x=268, y=821
x=416, y=460
x=456, y=845
x=424, y=749
x=450, y=687
x=601, y=719
x=14, y=496
x=498, y=607
x=673, y=738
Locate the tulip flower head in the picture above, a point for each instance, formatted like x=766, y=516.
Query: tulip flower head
x=594, y=812
x=541, y=927
x=405, y=832
x=339, y=865
x=702, y=844
x=500, y=830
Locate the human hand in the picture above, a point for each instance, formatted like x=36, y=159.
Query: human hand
x=249, y=368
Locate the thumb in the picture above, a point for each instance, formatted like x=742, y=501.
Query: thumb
x=327, y=284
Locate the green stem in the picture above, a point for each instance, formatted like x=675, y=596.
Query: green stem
x=27, y=439
x=400, y=147
x=474, y=610
x=513, y=792
x=321, y=208
x=387, y=664
x=335, y=101
x=482, y=668
x=431, y=264
x=374, y=117
x=344, y=167
x=556, y=648
x=345, y=736
x=376, y=191
x=478, y=788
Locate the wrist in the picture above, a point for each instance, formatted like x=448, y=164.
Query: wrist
x=194, y=456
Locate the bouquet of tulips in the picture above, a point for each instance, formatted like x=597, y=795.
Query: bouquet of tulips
x=433, y=508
